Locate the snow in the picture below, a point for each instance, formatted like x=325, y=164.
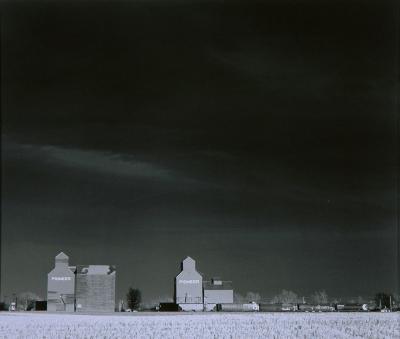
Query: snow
x=205, y=325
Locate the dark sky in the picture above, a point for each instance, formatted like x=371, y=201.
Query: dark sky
x=258, y=137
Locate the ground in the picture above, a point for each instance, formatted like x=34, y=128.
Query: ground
x=204, y=325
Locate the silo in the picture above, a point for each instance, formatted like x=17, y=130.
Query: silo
x=189, y=287
x=61, y=286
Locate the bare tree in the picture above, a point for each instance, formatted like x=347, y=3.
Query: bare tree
x=361, y=300
x=320, y=297
x=253, y=296
x=238, y=298
x=336, y=300
x=383, y=300
x=285, y=297
x=396, y=299
x=26, y=300
x=249, y=297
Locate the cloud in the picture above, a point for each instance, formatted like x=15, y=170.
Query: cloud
x=109, y=163
x=105, y=162
x=101, y=162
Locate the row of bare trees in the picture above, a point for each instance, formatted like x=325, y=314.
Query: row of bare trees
x=290, y=297
x=381, y=300
x=284, y=297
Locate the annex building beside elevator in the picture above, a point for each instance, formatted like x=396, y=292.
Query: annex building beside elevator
x=81, y=288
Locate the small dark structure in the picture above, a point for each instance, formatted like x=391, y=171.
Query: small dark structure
x=169, y=307
x=40, y=305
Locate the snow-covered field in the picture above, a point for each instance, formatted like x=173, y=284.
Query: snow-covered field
x=209, y=325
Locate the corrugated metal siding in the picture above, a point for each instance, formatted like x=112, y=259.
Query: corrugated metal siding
x=218, y=296
x=95, y=293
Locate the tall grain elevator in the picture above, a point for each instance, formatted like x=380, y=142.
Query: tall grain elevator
x=61, y=286
x=189, y=287
x=82, y=288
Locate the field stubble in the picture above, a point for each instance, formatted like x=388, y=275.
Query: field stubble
x=209, y=325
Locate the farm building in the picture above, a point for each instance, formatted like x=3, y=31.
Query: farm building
x=216, y=292
x=82, y=288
